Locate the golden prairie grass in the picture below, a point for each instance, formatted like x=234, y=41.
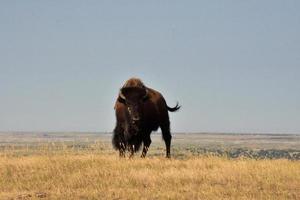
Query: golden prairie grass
x=90, y=175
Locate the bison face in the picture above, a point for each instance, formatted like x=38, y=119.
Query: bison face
x=133, y=98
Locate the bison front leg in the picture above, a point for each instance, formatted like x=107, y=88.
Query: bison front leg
x=147, y=142
x=131, y=150
x=122, y=150
x=118, y=140
x=145, y=150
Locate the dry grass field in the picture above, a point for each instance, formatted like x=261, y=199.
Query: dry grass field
x=66, y=170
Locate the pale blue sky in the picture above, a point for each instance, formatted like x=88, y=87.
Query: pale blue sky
x=234, y=66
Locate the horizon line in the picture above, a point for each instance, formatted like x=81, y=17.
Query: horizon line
x=158, y=132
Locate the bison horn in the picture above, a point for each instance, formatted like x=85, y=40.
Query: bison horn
x=121, y=95
x=146, y=95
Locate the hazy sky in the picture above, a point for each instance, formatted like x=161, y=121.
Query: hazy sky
x=234, y=66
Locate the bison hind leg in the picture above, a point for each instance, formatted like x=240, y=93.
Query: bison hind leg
x=165, y=128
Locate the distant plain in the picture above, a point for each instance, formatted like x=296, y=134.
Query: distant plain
x=77, y=165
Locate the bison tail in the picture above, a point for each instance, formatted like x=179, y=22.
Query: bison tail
x=177, y=107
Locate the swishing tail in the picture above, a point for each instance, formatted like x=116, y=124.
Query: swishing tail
x=177, y=107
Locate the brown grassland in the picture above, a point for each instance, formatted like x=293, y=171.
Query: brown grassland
x=55, y=171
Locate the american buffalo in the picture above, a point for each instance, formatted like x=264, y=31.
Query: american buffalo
x=139, y=111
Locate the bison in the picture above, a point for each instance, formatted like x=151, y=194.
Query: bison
x=139, y=111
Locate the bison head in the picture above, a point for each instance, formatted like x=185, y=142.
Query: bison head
x=133, y=98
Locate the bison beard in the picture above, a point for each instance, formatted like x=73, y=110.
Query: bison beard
x=139, y=111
